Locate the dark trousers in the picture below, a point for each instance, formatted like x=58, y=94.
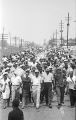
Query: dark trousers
x=47, y=92
x=30, y=96
x=42, y=93
x=25, y=97
x=60, y=94
x=62, y=89
x=72, y=94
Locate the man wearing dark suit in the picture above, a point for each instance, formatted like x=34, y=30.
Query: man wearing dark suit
x=16, y=113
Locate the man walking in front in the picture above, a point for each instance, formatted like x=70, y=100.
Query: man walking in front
x=16, y=113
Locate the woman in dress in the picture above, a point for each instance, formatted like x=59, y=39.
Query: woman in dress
x=5, y=90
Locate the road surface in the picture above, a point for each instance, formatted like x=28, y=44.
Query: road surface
x=44, y=113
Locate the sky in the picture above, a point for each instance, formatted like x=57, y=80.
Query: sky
x=37, y=20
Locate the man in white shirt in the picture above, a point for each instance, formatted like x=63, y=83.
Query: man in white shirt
x=71, y=82
x=36, y=86
x=48, y=79
x=16, y=83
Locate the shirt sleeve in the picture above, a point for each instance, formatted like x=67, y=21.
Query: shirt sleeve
x=8, y=80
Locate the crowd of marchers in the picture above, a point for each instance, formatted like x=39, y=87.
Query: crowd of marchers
x=33, y=79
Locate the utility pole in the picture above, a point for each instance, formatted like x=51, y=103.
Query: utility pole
x=68, y=18
x=53, y=36
x=21, y=42
x=3, y=38
x=75, y=32
x=15, y=38
x=56, y=37
x=2, y=47
x=53, y=39
x=61, y=30
x=10, y=43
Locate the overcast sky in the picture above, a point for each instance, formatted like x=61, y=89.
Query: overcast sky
x=36, y=20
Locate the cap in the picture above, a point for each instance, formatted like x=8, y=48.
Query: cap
x=36, y=71
x=65, y=60
x=27, y=70
x=50, y=67
x=10, y=64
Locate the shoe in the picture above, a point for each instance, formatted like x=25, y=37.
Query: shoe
x=46, y=104
x=59, y=105
x=34, y=104
x=22, y=107
x=50, y=106
x=37, y=107
x=72, y=106
x=62, y=102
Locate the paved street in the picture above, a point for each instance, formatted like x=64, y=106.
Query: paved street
x=44, y=113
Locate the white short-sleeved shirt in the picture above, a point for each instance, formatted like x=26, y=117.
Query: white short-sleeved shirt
x=71, y=82
x=47, y=78
x=69, y=70
x=16, y=80
x=36, y=80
